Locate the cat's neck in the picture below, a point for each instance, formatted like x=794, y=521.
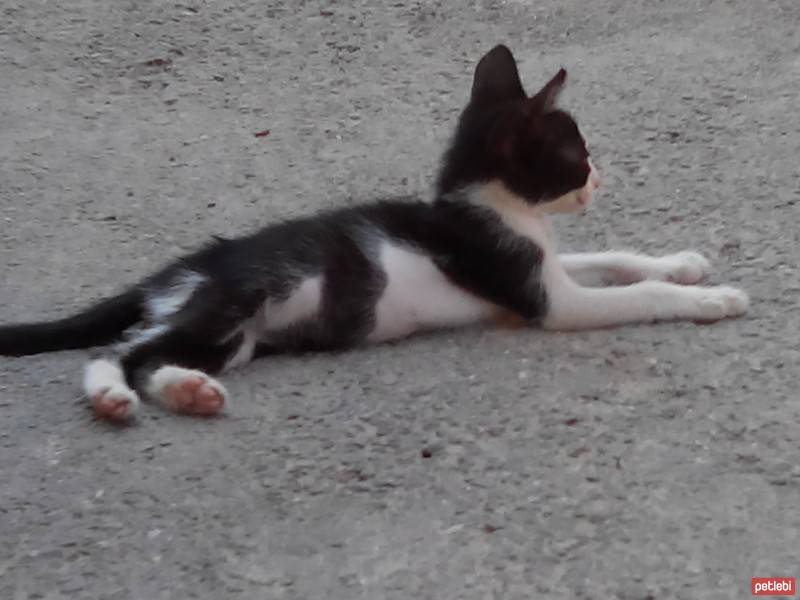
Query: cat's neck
x=523, y=218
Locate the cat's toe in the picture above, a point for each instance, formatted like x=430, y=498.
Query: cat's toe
x=115, y=403
x=737, y=302
x=209, y=400
x=720, y=302
x=686, y=268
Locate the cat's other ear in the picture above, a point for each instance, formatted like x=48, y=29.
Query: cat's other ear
x=545, y=99
x=496, y=77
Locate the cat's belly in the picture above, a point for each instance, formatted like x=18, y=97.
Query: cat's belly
x=418, y=296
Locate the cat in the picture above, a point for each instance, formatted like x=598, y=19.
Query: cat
x=481, y=250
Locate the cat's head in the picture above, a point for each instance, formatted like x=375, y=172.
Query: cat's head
x=524, y=142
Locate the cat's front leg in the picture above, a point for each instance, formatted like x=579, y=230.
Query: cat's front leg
x=573, y=307
x=624, y=268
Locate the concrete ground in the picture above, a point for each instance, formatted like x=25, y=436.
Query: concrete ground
x=644, y=463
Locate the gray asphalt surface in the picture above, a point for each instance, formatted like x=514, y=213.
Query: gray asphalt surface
x=644, y=463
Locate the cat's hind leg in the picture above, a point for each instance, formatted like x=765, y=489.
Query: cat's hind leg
x=175, y=367
x=111, y=397
x=198, y=328
x=625, y=268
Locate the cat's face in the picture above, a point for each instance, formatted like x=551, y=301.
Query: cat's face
x=535, y=149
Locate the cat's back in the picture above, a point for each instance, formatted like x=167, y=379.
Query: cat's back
x=309, y=241
x=402, y=217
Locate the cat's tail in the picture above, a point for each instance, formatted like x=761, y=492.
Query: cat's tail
x=99, y=324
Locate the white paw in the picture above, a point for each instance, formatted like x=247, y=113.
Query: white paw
x=685, y=268
x=111, y=398
x=115, y=403
x=188, y=391
x=723, y=301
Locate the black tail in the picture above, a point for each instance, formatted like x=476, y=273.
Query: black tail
x=95, y=326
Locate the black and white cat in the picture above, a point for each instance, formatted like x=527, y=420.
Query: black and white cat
x=480, y=251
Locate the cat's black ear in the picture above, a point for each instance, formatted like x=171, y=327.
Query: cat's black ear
x=545, y=99
x=496, y=77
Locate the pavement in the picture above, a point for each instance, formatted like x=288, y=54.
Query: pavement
x=641, y=463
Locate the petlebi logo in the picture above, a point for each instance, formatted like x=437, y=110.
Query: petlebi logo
x=772, y=586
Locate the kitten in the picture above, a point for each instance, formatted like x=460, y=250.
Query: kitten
x=482, y=250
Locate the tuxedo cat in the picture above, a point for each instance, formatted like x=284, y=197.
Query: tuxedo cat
x=480, y=251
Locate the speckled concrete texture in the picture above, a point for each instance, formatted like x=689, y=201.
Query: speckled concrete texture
x=644, y=463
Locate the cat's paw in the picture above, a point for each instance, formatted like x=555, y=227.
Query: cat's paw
x=684, y=268
x=188, y=391
x=116, y=403
x=720, y=302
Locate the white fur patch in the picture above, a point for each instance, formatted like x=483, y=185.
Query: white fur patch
x=521, y=217
x=161, y=305
x=574, y=307
x=419, y=296
x=137, y=337
x=163, y=377
x=100, y=374
x=302, y=304
x=623, y=268
x=250, y=335
x=167, y=302
x=106, y=377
